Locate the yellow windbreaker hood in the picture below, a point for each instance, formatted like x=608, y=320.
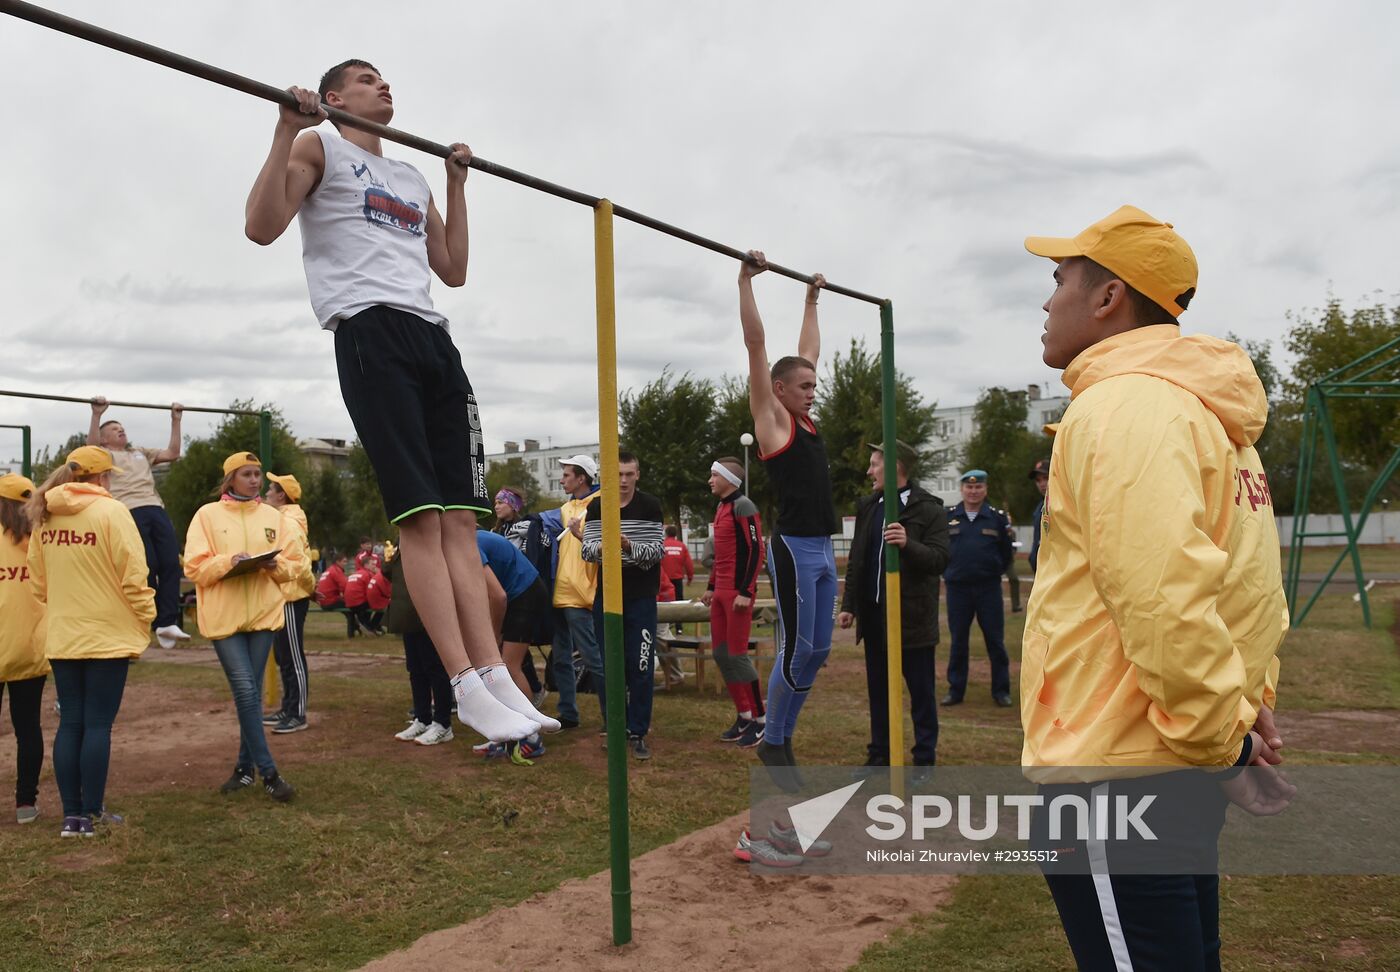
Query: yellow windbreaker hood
x=1158, y=606
x=88, y=563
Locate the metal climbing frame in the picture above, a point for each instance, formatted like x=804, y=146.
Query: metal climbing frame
x=1359, y=379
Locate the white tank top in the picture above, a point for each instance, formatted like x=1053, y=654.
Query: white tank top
x=364, y=235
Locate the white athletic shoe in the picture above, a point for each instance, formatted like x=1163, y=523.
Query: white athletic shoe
x=480, y=709
x=414, y=730
x=435, y=734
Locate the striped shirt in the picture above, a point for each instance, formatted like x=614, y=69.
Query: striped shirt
x=642, y=526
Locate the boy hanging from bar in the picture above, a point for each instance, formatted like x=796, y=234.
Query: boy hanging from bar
x=371, y=233
x=800, y=557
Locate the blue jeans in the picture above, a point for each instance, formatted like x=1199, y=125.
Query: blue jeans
x=573, y=628
x=89, y=695
x=244, y=657
x=163, y=560
x=638, y=644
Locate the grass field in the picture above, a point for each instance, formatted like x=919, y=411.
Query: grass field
x=388, y=841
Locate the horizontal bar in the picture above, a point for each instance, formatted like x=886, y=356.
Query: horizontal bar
x=163, y=408
x=198, y=69
x=5, y=425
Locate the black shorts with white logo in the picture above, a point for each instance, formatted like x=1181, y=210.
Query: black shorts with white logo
x=414, y=411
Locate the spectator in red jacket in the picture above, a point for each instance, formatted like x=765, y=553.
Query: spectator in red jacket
x=676, y=565
x=378, y=593
x=330, y=590
x=357, y=597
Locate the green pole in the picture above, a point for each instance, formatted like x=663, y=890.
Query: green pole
x=894, y=634
x=610, y=577
x=265, y=441
x=25, y=446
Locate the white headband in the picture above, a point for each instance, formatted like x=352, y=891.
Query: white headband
x=724, y=471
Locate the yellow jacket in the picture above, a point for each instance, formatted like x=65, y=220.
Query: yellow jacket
x=21, y=616
x=88, y=564
x=303, y=585
x=575, y=580
x=1158, y=605
x=249, y=602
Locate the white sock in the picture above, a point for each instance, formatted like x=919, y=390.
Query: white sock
x=497, y=679
x=479, y=709
x=746, y=716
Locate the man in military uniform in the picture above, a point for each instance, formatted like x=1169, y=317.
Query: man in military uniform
x=1040, y=474
x=980, y=537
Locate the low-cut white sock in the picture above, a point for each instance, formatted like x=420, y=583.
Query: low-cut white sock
x=497, y=680
x=479, y=708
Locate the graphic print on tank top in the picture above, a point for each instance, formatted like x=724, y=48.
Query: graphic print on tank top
x=383, y=208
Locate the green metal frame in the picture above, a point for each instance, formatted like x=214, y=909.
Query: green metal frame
x=27, y=447
x=1344, y=383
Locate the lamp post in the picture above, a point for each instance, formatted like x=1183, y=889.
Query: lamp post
x=746, y=440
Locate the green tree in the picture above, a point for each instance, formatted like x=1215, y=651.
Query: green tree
x=1006, y=449
x=364, y=516
x=327, y=511
x=194, y=479
x=46, y=460
x=669, y=425
x=848, y=413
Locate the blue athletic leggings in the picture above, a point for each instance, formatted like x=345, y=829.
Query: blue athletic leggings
x=803, y=571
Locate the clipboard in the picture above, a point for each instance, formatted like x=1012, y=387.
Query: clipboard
x=251, y=565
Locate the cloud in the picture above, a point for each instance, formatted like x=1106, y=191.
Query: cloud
x=179, y=292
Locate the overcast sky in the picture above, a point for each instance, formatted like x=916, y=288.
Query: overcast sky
x=904, y=149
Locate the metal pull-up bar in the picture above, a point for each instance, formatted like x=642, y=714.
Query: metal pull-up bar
x=162, y=408
x=188, y=65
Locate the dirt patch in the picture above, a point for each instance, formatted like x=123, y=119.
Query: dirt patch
x=1342, y=731
x=694, y=906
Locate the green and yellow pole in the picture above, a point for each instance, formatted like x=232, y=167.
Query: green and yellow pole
x=612, y=574
x=27, y=466
x=894, y=633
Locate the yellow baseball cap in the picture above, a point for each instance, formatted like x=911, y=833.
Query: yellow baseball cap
x=91, y=460
x=1146, y=253
x=289, y=485
x=240, y=459
x=13, y=486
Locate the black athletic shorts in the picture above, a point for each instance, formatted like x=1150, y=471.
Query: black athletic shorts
x=414, y=411
x=529, y=618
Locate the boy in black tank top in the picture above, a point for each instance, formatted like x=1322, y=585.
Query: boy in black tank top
x=800, y=558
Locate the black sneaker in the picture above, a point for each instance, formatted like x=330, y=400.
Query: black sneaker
x=735, y=731
x=752, y=735
x=289, y=724
x=638, y=745
x=241, y=778
x=278, y=788
x=273, y=717
x=567, y=723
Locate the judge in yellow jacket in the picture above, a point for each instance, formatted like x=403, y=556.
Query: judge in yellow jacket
x=23, y=667
x=1158, y=609
x=240, y=609
x=88, y=564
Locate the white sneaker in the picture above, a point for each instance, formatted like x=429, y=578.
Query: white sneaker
x=172, y=631
x=434, y=735
x=414, y=730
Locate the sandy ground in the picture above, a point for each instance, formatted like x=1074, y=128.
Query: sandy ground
x=694, y=908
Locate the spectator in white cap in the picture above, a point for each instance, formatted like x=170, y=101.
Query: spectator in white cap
x=575, y=584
